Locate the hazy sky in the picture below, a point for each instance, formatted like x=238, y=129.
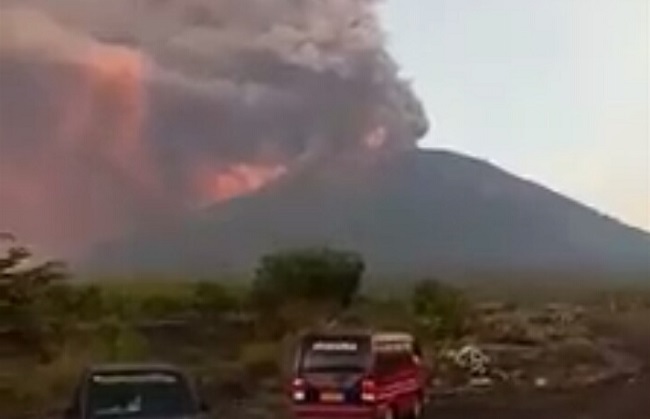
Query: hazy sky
x=554, y=90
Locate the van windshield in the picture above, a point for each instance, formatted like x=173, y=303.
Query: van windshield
x=340, y=355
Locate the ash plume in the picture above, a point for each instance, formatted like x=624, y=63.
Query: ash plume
x=116, y=113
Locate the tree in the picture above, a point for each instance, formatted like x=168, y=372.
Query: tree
x=310, y=275
x=23, y=287
x=442, y=311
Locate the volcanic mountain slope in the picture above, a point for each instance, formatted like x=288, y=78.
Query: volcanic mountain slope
x=411, y=213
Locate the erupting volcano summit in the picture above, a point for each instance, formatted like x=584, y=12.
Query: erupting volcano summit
x=116, y=113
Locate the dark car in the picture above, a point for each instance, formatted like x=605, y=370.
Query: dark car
x=143, y=391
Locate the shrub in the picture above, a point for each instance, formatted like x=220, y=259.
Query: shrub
x=442, y=311
x=118, y=341
x=211, y=299
x=314, y=275
x=165, y=306
x=261, y=359
x=228, y=381
x=51, y=388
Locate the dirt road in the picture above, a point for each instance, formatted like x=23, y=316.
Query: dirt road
x=619, y=400
x=626, y=398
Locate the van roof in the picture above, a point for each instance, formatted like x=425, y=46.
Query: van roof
x=376, y=338
x=392, y=337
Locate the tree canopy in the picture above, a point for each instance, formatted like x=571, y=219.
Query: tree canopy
x=23, y=286
x=320, y=274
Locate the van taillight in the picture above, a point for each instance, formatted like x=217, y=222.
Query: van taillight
x=299, y=390
x=368, y=391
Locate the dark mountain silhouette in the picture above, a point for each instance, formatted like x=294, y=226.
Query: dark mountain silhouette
x=411, y=213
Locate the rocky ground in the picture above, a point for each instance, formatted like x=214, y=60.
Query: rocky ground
x=626, y=396
x=617, y=400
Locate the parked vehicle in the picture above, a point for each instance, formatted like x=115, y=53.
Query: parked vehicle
x=358, y=375
x=136, y=392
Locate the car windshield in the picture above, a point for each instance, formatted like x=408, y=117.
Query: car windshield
x=138, y=396
x=335, y=356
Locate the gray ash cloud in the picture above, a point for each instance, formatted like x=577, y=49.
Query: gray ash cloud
x=153, y=89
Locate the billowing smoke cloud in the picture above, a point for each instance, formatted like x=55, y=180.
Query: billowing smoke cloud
x=116, y=113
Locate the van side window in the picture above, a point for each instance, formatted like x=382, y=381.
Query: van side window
x=405, y=360
x=388, y=363
x=383, y=365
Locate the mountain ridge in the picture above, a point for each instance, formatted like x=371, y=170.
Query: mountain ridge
x=412, y=212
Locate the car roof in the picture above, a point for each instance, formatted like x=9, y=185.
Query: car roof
x=134, y=367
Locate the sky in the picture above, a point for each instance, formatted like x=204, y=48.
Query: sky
x=555, y=91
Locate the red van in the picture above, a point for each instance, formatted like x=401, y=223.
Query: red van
x=358, y=375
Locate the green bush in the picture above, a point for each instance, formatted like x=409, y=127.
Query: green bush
x=441, y=311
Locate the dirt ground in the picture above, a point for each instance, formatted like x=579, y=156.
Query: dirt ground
x=619, y=400
x=624, y=398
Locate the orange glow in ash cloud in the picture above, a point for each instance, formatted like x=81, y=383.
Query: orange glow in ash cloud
x=118, y=74
x=376, y=138
x=112, y=78
x=238, y=180
x=96, y=129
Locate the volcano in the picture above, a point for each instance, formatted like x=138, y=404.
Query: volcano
x=412, y=213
